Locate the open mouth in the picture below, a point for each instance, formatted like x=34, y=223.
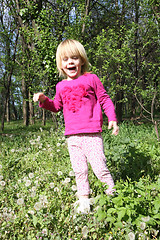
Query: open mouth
x=72, y=68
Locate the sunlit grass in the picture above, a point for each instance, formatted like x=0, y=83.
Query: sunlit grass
x=37, y=186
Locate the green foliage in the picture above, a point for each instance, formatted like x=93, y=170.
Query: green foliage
x=134, y=208
x=122, y=43
x=133, y=153
x=37, y=186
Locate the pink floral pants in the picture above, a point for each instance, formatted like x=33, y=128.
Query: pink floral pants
x=88, y=147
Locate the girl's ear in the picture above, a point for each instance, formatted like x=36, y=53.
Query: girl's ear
x=82, y=62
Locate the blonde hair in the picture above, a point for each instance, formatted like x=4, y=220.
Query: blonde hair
x=70, y=47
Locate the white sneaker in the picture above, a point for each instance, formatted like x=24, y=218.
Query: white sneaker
x=82, y=206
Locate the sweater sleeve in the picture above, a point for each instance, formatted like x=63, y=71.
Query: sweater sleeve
x=55, y=105
x=104, y=100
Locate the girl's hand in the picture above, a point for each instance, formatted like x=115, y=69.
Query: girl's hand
x=39, y=97
x=113, y=124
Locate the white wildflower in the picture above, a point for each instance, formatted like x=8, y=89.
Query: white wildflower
x=28, y=183
x=0, y=166
x=131, y=236
x=20, y=201
x=31, y=212
x=5, y=209
x=1, y=177
x=34, y=189
x=44, y=231
x=110, y=237
x=71, y=174
x=19, y=181
x=32, y=142
x=33, y=194
x=18, y=195
x=2, y=183
x=38, y=138
x=51, y=185
x=76, y=228
x=25, y=179
x=41, y=129
x=63, y=138
x=43, y=199
x=74, y=188
x=85, y=231
x=142, y=225
x=58, y=144
x=36, y=182
x=56, y=189
x=31, y=175
x=146, y=219
x=59, y=173
x=67, y=180
x=58, y=150
x=38, y=206
x=12, y=150
x=92, y=201
x=49, y=149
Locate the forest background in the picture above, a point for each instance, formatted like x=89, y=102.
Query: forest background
x=122, y=40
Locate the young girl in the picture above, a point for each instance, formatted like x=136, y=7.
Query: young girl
x=81, y=96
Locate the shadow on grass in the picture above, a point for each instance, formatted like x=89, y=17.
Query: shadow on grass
x=136, y=165
x=126, y=160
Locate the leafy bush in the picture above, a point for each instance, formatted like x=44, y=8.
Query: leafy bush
x=133, y=211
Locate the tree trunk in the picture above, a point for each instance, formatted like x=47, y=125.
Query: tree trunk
x=8, y=109
x=3, y=115
x=25, y=102
x=119, y=105
x=86, y=14
x=44, y=117
x=120, y=79
x=5, y=99
x=31, y=110
x=133, y=112
x=15, y=114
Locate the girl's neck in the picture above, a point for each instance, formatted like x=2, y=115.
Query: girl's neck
x=71, y=79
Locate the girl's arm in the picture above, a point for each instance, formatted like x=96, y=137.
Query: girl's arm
x=113, y=124
x=107, y=105
x=49, y=104
x=39, y=97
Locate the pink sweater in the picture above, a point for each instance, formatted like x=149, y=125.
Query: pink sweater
x=81, y=100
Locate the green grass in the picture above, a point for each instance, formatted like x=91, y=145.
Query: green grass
x=37, y=186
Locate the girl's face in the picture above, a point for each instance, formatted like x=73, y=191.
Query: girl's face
x=71, y=66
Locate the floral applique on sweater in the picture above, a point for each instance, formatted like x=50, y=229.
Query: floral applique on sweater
x=73, y=97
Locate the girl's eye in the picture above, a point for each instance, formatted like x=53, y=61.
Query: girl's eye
x=65, y=59
x=75, y=57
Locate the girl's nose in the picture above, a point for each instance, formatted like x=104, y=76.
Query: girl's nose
x=70, y=60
